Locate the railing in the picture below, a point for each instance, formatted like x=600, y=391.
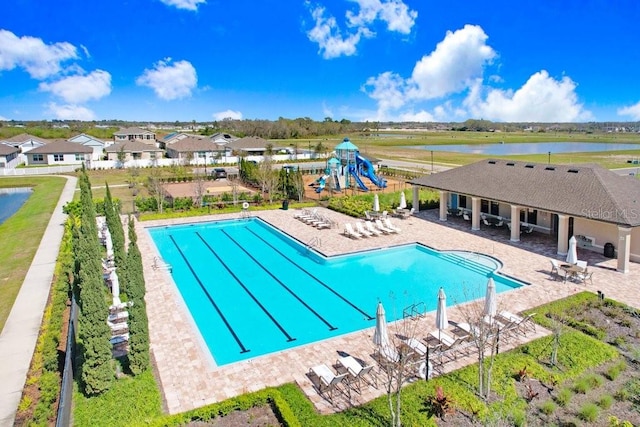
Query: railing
x=415, y=310
x=63, y=418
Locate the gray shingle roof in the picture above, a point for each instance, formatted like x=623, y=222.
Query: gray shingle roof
x=248, y=142
x=132, y=131
x=61, y=146
x=6, y=149
x=131, y=146
x=24, y=137
x=586, y=191
x=193, y=144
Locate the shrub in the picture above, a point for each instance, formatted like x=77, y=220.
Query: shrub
x=548, y=407
x=614, y=371
x=589, y=412
x=605, y=401
x=563, y=397
x=518, y=417
x=581, y=386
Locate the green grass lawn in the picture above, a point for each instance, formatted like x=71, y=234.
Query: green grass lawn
x=21, y=234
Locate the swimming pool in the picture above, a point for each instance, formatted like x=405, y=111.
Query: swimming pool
x=253, y=290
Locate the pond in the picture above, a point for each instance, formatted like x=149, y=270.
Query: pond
x=11, y=199
x=499, y=149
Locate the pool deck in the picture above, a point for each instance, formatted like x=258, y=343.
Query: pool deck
x=190, y=379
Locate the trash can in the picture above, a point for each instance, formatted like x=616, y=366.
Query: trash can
x=285, y=205
x=609, y=250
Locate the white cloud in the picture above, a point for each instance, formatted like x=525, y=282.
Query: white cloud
x=168, y=81
x=330, y=41
x=184, y=4
x=78, y=89
x=3, y=119
x=387, y=90
x=541, y=99
x=38, y=59
x=228, y=114
x=394, y=13
x=455, y=63
x=71, y=112
x=632, y=110
x=420, y=116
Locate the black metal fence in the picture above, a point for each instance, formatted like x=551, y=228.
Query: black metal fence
x=66, y=390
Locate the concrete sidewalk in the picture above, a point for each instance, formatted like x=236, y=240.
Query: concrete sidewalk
x=20, y=333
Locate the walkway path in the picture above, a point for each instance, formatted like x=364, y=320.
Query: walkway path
x=20, y=333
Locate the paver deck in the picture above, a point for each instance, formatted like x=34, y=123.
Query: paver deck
x=190, y=378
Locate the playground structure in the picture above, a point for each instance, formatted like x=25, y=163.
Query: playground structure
x=347, y=164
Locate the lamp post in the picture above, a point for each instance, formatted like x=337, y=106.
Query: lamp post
x=431, y=161
x=549, y=157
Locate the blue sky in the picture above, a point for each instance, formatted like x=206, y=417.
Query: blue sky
x=376, y=60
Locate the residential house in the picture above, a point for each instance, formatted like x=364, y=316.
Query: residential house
x=589, y=201
x=97, y=145
x=8, y=156
x=59, y=152
x=255, y=146
x=133, y=150
x=170, y=138
x=135, y=134
x=195, y=150
x=25, y=142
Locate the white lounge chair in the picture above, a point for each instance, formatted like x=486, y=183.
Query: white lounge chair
x=519, y=323
x=382, y=228
x=350, y=232
x=387, y=223
x=582, y=264
x=325, y=380
x=466, y=216
x=360, y=229
x=356, y=373
x=372, y=229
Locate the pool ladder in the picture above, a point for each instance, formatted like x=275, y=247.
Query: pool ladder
x=314, y=243
x=414, y=311
x=159, y=264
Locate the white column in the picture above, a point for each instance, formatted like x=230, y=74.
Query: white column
x=515, y=223
x=624, y=248
x=416, y=198
x=563, y=234
x=444, y=202
x=475, y=213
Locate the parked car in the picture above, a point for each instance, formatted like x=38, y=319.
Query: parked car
x=219, y=173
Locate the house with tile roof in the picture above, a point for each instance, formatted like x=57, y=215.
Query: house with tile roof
x=9, y=156
x=585, y=200
x=135, y=134
x=60, y=152
x=133, y=150
x=255, y=146
x=97, y=145
x=195, y=149
x=25, y=142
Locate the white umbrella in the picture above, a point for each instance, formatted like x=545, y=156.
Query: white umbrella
x=108, y=243
x=490, y=301
x=381, y=335
x=403, y=201
x=115, y=287
x=572, y=255
x=441, y=312
x=376, y=203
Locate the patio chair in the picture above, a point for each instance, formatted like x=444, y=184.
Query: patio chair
x=350, y=232
x=485, y=221
x=387, y=223
x=528, y=229
x=356, y=373
x=360, y=229
x=448, y=346
x=372, y=229
x=555, y=270
x=367, y=215
x=582, y=264
x=521, y=323
x=382, y=228
x=586, y=275
x=466, y=216
x=325, y=380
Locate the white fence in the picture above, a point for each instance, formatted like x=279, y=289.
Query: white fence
x=114, y=164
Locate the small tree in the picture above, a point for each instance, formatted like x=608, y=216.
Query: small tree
x=155, y=185
x=122, y=156
x=199, y=187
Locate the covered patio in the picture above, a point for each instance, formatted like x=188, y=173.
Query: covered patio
x=599, y=207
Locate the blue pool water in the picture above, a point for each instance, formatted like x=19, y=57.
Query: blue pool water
x=12, y=199
x=253, y=290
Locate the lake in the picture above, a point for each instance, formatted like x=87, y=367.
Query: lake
x=11, y=199
x=529, y=148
